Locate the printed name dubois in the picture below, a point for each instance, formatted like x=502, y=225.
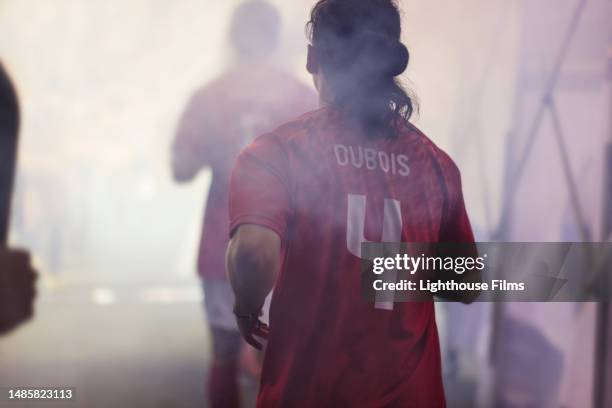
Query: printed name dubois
x=371, y=159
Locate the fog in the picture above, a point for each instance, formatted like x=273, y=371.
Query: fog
x=102, y=85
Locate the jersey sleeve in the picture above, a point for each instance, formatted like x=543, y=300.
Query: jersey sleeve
x=259, y=187
x=456, y=225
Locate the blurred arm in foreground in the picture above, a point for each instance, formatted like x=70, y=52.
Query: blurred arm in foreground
x=17, y=292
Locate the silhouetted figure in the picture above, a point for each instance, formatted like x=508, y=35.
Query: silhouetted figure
x=221, y=118
x=17, y=276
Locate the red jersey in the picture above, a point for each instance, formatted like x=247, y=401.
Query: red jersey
x=221, y=119
x=324, y=189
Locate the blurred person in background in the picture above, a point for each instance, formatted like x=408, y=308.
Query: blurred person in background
x=302, y=200
x=17, y=275
x=221, y=118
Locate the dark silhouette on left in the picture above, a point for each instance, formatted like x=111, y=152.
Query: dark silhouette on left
x=17, y=276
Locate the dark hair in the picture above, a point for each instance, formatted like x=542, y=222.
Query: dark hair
x=360, y=52
x=255, y=28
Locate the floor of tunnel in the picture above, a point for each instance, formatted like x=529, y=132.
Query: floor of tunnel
x=130, y=354
x=127, y=346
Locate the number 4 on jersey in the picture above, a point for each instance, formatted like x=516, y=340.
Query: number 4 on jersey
x=355, y=230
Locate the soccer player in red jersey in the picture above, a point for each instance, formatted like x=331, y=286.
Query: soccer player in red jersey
x=220, y=119
x=305, y=196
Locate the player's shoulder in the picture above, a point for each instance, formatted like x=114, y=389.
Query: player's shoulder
x=429, y=149
x=305, y=125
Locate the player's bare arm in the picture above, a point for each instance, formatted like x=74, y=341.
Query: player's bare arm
x=253, y=261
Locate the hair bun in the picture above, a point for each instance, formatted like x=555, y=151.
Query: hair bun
x=383, y=55
x=400, y=59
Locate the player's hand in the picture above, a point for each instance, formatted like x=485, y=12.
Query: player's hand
x=17, y=291
x=250, y=326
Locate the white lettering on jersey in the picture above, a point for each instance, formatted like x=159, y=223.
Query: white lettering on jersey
x=341, y=155
x=372, y=160
x=355, y=230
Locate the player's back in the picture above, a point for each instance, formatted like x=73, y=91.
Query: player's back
x=328, y=346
